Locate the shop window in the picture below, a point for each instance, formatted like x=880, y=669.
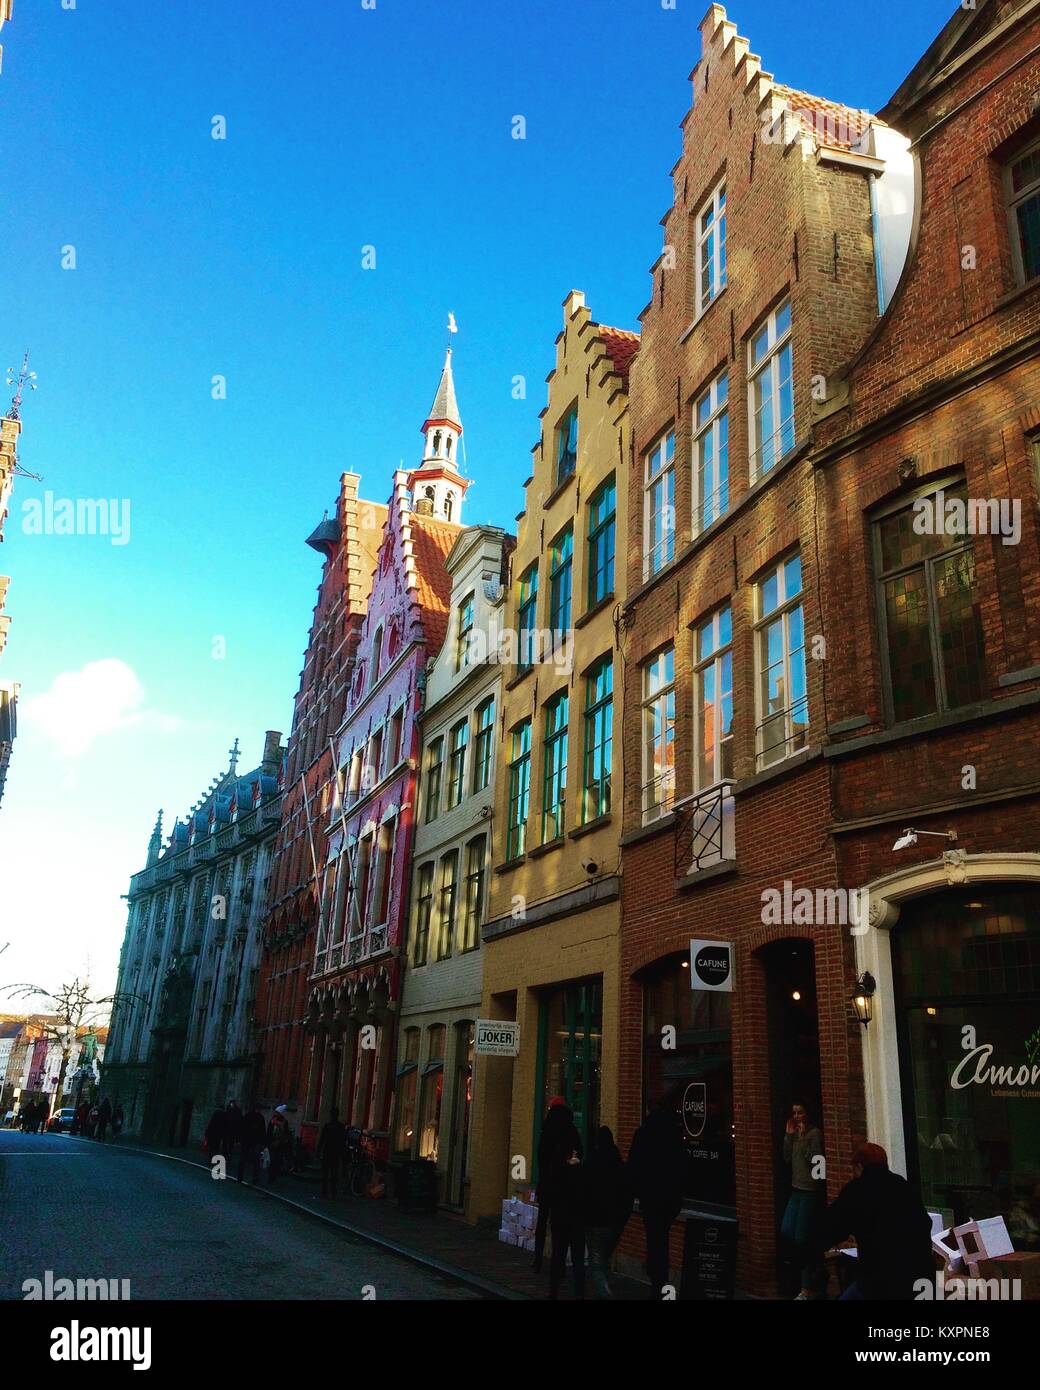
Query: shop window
x=432, y=1093
x=695, y=1078
x=570, y=1036
x=407, y=1085
x=929, y=607
x=966, y=970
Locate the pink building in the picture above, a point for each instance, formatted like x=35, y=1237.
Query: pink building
x=352, y=1009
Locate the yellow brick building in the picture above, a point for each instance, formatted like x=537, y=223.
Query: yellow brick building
x=551, y=929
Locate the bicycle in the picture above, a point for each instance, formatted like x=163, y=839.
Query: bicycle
x=360, y=1167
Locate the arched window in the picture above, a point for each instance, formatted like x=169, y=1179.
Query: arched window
x=447, y=446
x=428, y=493
x=436, y=441
x=377, y=651
x=449, y=505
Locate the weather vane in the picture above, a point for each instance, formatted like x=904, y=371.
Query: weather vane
x=18, y=382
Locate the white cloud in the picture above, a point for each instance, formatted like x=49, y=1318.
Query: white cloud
x=102, y=698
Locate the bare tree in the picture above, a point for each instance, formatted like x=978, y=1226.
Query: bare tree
x=71, y=1008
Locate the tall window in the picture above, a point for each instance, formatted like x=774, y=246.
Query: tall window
x=1022, y=188
x=929, y=600
x=561, y=561
x=432, y=776
x=407, y=1079
x=599, y=720
x=783, y=705
x=484, y=744
x=384, y=869
x=527, y=614
x=659, y=506
x=377, y=655
x=463, y=655
x=396, y=739
x=711, y=248
x=432, y=1093
x=519, y=789
x=658, y=734
x=567, y=445
x=554, y=787
x=457, y=763
x=447, y=905
x=476, y=860
x=711, y=454
x=602, y=513
x=713, y=699
x=771, y=394
x=423, y=913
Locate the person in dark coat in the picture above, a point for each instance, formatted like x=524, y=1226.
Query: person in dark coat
x=608, y=1205
x=332, y=1145
x=542, y=1227
x=657, y=1167
x=216, y=1134
x=888, y=1221
x=254, y=1140
x=279, y=1144
x=232, y=1127
x=561, y=1191
x=104, y=1117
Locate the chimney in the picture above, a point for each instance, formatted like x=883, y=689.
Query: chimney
x=272, y=753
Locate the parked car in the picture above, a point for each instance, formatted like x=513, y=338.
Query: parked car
x=62, y=1120
x=8, y=1119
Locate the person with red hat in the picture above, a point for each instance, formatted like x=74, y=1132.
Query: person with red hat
x=888, y=1221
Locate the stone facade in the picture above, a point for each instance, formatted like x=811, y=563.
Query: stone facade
x=182, y=1037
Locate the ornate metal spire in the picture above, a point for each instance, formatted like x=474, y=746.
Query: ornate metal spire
x=18, y=381
x=233, y=750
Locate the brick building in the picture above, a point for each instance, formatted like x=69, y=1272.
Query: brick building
x=787, y=233
x=932, y=616
x=348, y=543
x=354, y=996
x=551, y=934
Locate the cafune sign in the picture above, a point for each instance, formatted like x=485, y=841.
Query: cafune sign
x=695, y=1108
x=495, y=1038
x=711, y=965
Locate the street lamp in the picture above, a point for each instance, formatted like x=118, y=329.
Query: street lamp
x=863, y=997
x=909, y=837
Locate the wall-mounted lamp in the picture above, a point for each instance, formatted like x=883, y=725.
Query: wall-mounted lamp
x=909, y=837
x=863, y=998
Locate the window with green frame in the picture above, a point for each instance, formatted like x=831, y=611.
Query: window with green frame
x=465, y=630
x=447, y=906
x=423, y=913
x=476, y=868
x=432, y=778
x=568, y=1062
x=527, y=615
x=457, y=763
x=567, y=445
x=484, y=744
x=561, y=561
x=519, y=790
x=554, y=785
x=602, y=516
x=599, y=727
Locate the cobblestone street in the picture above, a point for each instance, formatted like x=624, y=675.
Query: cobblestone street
x=87, y=1211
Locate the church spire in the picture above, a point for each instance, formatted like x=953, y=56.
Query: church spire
x=155, y=842
x=437, y=484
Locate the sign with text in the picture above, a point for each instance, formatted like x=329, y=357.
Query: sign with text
x=711, y=965
x=497, y=1038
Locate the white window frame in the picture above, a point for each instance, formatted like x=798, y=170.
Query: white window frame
x=775, y=345
x=714, y=661
x=655, y=700
x=654, y=473
x=1012, y=200
x=716, y=205
x=718, y=410
x=786, y=605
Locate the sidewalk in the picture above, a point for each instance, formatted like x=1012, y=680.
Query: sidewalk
x=443, y=1241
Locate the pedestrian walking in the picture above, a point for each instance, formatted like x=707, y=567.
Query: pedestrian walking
x=560, y=1184
x=279, y=1144
x=542, y=1225
x=118, y=1120
x=608, y=1205
x=92, y=1121
x=215, y=1137
x=232, y=1127
x=254, y=1141
x=892, y=1230
x=332, y=1143
x=657, y=1166
x=803, y=1153
x=104, y=1117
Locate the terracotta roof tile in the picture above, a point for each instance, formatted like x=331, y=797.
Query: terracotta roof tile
x=431, y=540
x=622, y=346
x=831, y=122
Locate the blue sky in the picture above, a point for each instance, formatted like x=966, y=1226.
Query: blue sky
x=346, y=127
